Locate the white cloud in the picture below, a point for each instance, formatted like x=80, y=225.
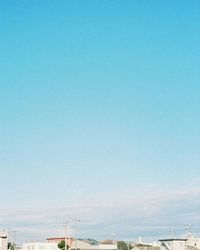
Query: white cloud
x=148, y=211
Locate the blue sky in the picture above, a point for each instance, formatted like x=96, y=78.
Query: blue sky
x=99, y=112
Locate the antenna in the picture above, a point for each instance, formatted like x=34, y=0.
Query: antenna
x=113, y=238
x=173, y=233
x=188, y=229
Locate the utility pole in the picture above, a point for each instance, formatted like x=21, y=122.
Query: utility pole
x=75, y=229
x=76, y=220
x=65, y=228
x=14, y=239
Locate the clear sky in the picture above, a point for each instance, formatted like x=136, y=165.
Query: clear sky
x=99, y=117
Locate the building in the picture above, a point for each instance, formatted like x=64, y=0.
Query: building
x=140, y=246
x=3, y=240
x=173, y=244
x=193, y=242
x=188, y=243
x=107, y=246
x=40, y=246
x=59, y=239
x=80, y=245
x=52, y=244
x=85, y=245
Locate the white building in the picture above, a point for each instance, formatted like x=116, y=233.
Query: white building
x=173, y=244
x=82, y=245
x=107, y=246
x=79, y=245
x=188, y=243
x=177, y=244
x=192, y=241
x=40, y=246
x=3, y=240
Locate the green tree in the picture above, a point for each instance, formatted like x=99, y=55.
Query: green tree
x=129, y=246
x=11, y=246
x=61, y=245
x=122, y=245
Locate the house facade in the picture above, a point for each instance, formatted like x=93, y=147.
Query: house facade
x=3, y=240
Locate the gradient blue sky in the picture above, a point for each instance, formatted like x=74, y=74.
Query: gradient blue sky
x=99, y=107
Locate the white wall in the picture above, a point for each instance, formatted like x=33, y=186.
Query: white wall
x=105, y=246
x=193, y=242
x=80, y=244
x=3, y=240
x=40, y=246
x=173, y=245
x=86, y=246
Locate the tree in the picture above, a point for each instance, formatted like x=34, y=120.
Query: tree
x=61, y=245
x=122, y=245
x=11, y=246
x=129, y=246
